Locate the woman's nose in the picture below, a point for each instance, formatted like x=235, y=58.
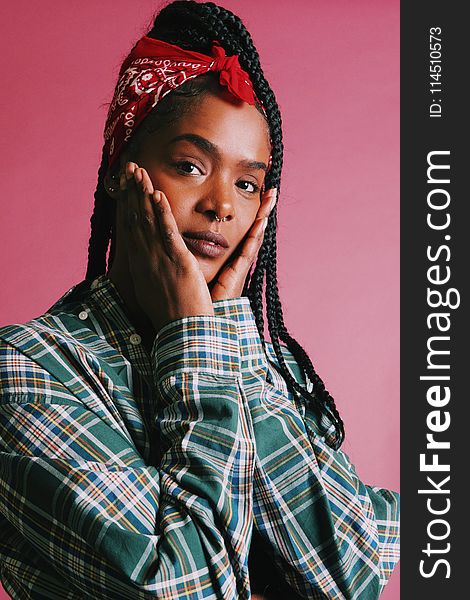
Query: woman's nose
x=217, y=200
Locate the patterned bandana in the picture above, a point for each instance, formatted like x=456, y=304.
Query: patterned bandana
x=153, y=69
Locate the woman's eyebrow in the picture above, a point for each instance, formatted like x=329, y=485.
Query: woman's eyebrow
x=197, y=140
x=254, y=164
x=207, y=146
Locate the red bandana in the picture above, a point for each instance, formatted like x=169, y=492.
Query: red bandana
x=151, y=71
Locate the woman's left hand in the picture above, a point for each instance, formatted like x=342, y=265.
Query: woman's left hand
x=230, y=280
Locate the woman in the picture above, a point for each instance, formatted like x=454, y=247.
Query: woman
x=153, y=443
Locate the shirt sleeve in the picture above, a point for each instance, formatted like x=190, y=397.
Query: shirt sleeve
x=329, y=534
x=75, y=486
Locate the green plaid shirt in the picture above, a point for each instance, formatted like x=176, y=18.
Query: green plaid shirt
x=129, y=475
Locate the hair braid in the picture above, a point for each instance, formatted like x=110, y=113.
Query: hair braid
x=101, y=224
x=193, y=26
x=321, y=397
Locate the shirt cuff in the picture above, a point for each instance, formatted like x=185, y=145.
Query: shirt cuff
x=239, y=311
x=202, y=343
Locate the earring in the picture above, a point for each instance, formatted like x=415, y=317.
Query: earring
x=112, y=189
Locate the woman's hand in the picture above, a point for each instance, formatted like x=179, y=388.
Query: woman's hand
x=231, y=279
x=168, y=281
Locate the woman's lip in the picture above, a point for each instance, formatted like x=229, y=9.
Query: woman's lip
x=203, y=248
x=209, y=236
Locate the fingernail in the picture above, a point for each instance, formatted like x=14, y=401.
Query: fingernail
x=157, y=197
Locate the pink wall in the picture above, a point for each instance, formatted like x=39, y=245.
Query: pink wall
x=335, y=69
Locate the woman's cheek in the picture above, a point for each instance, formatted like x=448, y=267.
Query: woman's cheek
x=249, y=223
x=243, y=236
x=156, y=180
x=176, y=192
x=156, y=170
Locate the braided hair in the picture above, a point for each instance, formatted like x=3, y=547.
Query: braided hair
x=193, y=25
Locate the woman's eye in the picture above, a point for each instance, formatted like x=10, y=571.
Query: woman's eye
x=254, y=187
x=186, y=167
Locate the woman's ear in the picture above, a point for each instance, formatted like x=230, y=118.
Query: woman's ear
x=111, y=183
x=111, y=179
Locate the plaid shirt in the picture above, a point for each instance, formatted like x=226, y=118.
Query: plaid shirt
x=125, y=475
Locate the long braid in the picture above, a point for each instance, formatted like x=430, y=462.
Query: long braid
x=193, y=25
x=101, y=225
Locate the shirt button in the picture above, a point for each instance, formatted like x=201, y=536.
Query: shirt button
x=94, y=284
x=135, y=339
x=83, y=315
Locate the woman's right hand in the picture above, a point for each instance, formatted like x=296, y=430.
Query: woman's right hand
x=168, y=281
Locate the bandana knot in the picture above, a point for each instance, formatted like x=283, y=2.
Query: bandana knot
x=231, y=74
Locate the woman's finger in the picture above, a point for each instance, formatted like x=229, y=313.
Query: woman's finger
x=148, y=216
x=267, y=204
x=129, y=169
x=231, y=280
x=173, y=242
x=254, y=239
x=147, y=184
x=138, y=237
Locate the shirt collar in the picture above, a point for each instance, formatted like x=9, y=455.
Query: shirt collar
x=100, y=301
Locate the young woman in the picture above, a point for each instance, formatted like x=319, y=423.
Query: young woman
x=153, y=443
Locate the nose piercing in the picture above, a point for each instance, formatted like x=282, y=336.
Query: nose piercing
x=220, y=220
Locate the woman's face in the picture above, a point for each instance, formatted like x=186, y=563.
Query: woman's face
x=211, y=161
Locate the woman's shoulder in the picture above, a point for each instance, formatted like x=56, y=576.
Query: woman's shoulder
x=60, y=319
x=55, y=349
x=24, y=346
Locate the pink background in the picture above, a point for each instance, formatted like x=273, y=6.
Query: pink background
x=334, y=67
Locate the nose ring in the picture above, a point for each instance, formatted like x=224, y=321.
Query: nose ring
x=220, y=220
